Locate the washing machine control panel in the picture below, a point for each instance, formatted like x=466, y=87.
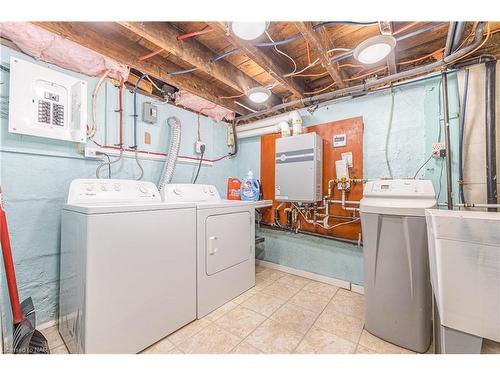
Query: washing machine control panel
x=190, y=193
x=112, y=190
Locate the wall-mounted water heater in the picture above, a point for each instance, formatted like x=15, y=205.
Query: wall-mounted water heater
x=298, y=168
x=46, y=103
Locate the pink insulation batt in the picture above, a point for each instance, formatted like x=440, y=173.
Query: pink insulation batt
x=52, y=48
x=197, y=104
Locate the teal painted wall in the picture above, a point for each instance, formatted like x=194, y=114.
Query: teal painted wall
x=36, y=173
x=415, y=127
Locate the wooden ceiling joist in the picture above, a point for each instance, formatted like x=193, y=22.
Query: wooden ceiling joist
x=268, y=62
x=83, y=34
x=191, y=51
x=319, y=44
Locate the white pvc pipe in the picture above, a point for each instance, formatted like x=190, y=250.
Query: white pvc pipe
x=260, y=131
x=293, y=116
x=264, y=122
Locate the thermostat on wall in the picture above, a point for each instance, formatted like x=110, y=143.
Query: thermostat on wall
x=339, y=140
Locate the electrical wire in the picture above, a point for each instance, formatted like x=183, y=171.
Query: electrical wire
x=120, y=144
x=312, y=74
x=134, y=147
x=321, y=90
x=283, y=53
x=199, y=166
x=154, y=84
x=302, y=70
x=440, y=182
x=244, y=106
x=406, y=27
x=92, y=131
x=420, y=58
x=418, y=170
x=366, y=74
x=231, y=97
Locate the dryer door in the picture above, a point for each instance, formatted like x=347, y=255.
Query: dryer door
x=227, y=241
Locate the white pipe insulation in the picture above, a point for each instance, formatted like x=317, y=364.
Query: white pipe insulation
x=269, y=125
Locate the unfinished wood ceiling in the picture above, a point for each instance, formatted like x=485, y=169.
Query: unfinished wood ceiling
x=226, y=80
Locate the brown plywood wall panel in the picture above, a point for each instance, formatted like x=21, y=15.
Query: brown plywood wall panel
x=353, y=128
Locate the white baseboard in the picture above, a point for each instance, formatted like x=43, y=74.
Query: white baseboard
x=313, y=276
x=46, y=325
x=357, y=288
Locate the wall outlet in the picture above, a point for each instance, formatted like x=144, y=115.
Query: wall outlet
x=200, y=147
x=438, y=150
x=91, y=152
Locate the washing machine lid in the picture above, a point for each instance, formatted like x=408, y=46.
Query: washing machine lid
x=108, y=208
x=398, y=197
x=97, y=196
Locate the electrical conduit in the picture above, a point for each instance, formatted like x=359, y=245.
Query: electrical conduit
x=135, y=126
x=120, y=157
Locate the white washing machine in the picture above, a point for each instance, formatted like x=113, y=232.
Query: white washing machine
x=225, y=243
x=128, y=266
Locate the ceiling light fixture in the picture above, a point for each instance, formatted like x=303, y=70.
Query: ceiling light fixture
x=259, y=94
x=249, y=30
x=374, y=49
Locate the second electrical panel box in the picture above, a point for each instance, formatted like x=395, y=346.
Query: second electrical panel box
x=298, y=168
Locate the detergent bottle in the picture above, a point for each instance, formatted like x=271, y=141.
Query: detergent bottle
x=233, y=188
x=250, y=188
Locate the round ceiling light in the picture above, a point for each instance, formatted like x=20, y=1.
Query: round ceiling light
x=249, y=30
x=259, y=94
x=374, y=49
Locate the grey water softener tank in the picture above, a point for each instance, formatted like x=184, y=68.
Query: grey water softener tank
x=398, y=295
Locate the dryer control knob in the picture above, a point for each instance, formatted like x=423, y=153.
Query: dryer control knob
x=116, y=187
x=143, y=189
x=177, y=191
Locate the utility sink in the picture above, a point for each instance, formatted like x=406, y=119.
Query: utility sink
x=464, y=259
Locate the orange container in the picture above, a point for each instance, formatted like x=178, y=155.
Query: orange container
x=233, y=189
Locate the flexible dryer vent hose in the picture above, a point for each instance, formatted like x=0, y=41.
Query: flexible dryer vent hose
x=173, y=152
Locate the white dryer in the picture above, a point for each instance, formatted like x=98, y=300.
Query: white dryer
x=225, y=243
x=128, y=266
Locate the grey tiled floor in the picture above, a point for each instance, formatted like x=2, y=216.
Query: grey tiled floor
x=283, y=313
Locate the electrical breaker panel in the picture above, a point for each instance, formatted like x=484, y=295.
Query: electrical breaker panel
x=46, y=103
x=298, y=168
